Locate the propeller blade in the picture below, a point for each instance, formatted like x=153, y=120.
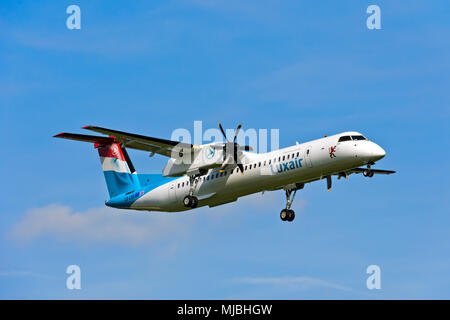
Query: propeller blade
x=241, y=167
x=229, y=160
x=245, y=148
x=328, y=183
x=237, y=131
x=218, y=146
x=223, y=132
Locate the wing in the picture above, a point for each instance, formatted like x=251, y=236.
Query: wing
x=139, y=142
x=376, y=171
x=344, y=174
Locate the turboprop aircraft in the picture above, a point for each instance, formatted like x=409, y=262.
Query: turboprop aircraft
x=218, y=173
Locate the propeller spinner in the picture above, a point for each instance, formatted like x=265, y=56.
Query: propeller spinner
x=232, y=151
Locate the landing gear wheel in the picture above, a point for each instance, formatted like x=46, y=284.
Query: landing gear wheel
x=284, y=214
x=190, y=201
x=194, y=202
x=187, y=201
x=287, y=214
x=371, y=174
x=367, y=173
x=290, y=215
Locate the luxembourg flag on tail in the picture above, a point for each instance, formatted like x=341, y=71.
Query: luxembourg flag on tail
x=118, y=169
x=119, y=178
x=112, y=158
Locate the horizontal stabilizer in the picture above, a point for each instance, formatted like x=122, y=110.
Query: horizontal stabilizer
x=85, y=138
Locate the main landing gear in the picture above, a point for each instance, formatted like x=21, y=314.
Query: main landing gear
x=191, y=201
x=287, y=214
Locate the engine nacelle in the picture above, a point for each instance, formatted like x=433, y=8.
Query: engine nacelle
x=200, y=161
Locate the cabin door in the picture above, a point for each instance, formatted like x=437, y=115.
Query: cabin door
x=307, y=156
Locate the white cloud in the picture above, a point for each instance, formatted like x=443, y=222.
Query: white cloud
x=99, y=225
x=295, y=283
x=135, y=228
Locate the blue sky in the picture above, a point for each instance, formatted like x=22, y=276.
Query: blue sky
x=304, y=67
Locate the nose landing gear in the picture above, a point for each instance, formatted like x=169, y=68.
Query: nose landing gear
x=368, y=172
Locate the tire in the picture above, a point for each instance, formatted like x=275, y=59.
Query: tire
x=366, y=173
x=370, y=174
x=187, y=201
x=291, y=215
x=194, y=202
x=283, y=215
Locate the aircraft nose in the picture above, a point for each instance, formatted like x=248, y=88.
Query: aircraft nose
x=376, y=152
x=371, y=151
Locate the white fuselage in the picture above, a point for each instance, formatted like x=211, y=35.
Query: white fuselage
x=283, y=168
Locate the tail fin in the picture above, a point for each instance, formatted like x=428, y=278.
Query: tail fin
x=118, y=169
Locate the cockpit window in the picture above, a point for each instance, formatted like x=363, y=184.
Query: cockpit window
x=344, y=138
x=358, y=138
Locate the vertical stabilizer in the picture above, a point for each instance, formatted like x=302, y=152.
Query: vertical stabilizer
x=119, y=172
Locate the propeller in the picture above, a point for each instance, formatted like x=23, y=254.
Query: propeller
x=231, y=150
x=328, y=183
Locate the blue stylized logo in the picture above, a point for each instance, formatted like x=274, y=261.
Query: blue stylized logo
x=210, y=152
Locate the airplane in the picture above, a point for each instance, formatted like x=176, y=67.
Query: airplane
x=221, y=172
